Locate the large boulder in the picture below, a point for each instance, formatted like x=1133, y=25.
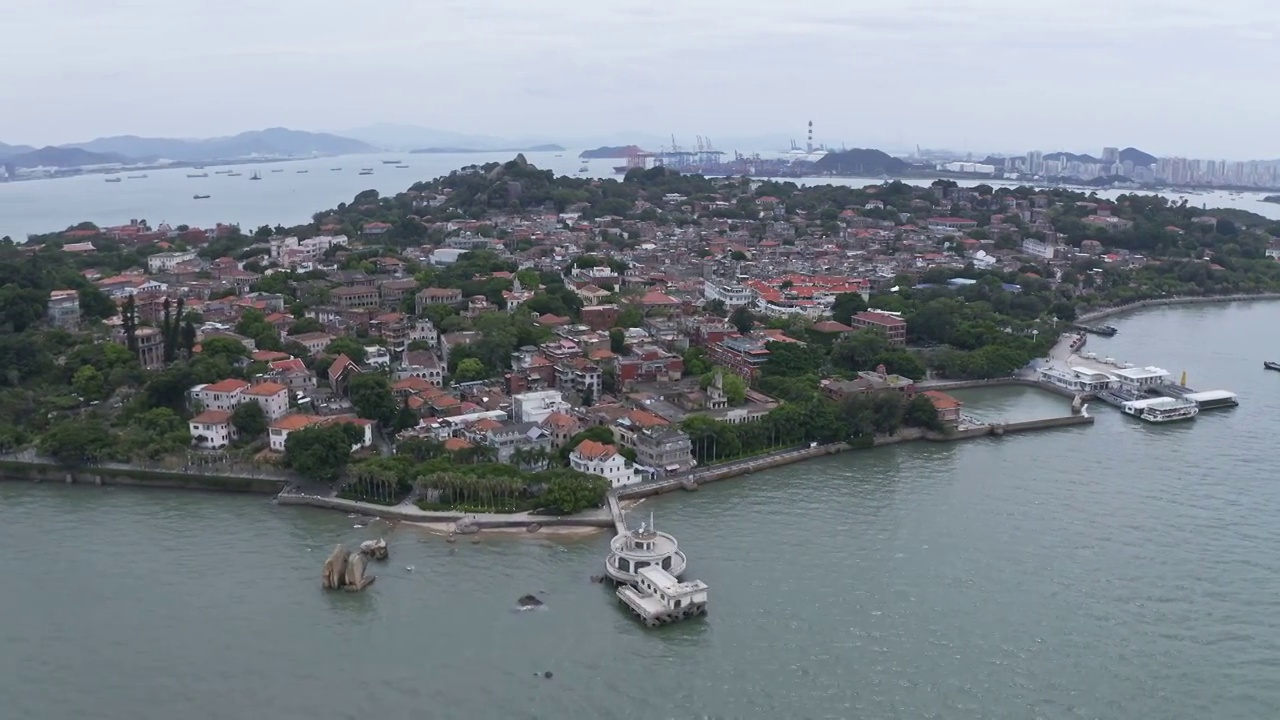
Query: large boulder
x=529, y=601
x=376, y=549
x=355, y=579
x=335, y=568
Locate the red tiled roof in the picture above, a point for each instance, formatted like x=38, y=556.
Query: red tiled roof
x=592, y=450
x=226, y=386
x=212, y=417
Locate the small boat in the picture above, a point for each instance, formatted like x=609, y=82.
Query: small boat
x=197, y=174
x=143, y=176
x=114, y=179
x=277, y=170
x=223, y=172
x=234, y=174
x=401, y=167
x=301, y=172
x=1271, y=365
x=584, y=168
x=390, y=162
x=1161, y=409
x=200, y=197
x=366, y=172
x=334, y=169
x=255, y=176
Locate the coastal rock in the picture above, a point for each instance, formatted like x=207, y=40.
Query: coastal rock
x=356, y=580
x=464, y=527
x=376, y=549
x=528, y=601
x=532, y=527
x=547, y=674
x=335, y=568
x=689, y=485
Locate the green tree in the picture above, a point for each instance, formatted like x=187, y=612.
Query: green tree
x=95, y=305
x=88, y=383
x=346, y=346
x=572, y=492
x=321, y=452
x=846, y=305
x=743, y=319
x=735, y=388
x=696, y=361
x=469, y=370
x=617, y=341
x=78, y=441
x=249, y=420
x=370, y=393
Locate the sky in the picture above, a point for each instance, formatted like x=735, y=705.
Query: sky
x=1172, y=77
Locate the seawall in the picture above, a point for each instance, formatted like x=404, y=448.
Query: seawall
x=412, y=513
x=136, y=477
x=999, y=429
x=1138, y=305
x=945, y=385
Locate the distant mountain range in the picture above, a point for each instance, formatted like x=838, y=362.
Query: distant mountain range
x=1133, y=155
x=129, y=149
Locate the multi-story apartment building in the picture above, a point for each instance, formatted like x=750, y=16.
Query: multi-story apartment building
x=165, y=261
x=63, y=309
x=894, y=327
x=666, y=449
x=354, y=297
x=741, y=355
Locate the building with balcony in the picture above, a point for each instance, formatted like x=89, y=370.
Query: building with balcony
x=596, y=458
x=350, y=298
x=63, y=310
x=222, y=396
x=743, y=356
x=893, y=327
x=212, y=430
x=272, y=397
x=666, y=449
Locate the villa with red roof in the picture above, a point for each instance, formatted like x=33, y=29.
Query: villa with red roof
x=597, y=458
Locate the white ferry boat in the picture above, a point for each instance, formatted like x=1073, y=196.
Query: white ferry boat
x=1162, y=409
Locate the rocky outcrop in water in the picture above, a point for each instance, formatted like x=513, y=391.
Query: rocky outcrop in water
x=335, y=569
x=529, y=601
x=345, y=571
x=376, y=549
x=356, y=580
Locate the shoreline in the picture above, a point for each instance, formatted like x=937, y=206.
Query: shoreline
x=580, y=525
x=1101, y=313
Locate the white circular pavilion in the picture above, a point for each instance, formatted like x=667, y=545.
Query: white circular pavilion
x=643, y=547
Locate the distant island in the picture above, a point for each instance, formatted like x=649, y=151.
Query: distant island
x=272, y=143
x=860, y=162
x=458, y=150
x=613, y=152
x=1272, y=199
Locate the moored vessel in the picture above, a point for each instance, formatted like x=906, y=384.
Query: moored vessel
x=1161, y=409
x=1271, y=365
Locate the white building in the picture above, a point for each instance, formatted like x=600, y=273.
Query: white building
x=314, y=342
x=212, y=430
x=291, y=252
x=1039, y=249
x=164, y=262
x=272, y=397
x=280, y=429
x=537, y=406
x=377, y=356
x=1078, y=379
x=596, y=458
x=221, y=396
x=424, y=330
x=1138, y=380
x=733, y=296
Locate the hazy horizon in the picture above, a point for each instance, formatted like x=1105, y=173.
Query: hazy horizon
x=1175, y=77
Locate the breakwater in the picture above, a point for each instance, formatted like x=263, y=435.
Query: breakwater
x=945, y=385
x=38, y=471
x=1095, y=315
x=409, y=512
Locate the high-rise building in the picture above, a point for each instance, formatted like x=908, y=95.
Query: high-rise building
x=1035, y=162
x=1110, y=155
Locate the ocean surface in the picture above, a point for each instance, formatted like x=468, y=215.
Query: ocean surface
x=1121, y=570
x=290, y=197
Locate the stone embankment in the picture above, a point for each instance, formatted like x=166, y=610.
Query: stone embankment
x=409, y=512
x=44, y=470
x=1096, y=315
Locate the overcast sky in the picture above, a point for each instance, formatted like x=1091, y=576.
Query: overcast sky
x=1173, y=77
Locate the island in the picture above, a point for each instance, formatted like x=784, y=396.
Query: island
x=428, y=352
x=1271, y=199
x=611, y=152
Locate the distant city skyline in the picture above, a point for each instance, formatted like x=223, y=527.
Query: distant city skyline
x=1174, y=78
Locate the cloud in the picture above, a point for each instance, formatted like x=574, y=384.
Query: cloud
x=973, y=74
